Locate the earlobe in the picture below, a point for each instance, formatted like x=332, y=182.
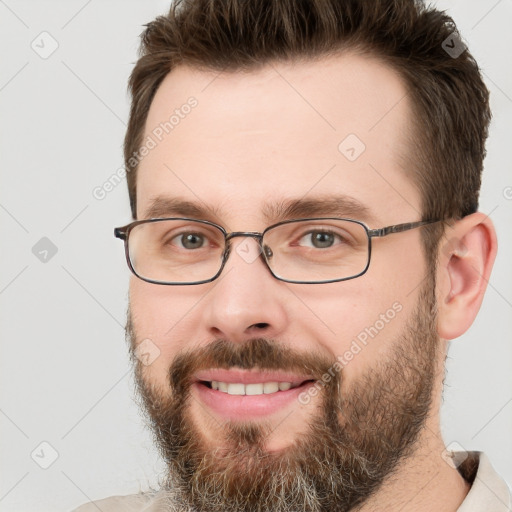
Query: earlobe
x=466, y=256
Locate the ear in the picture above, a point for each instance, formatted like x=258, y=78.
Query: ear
x=466, y=256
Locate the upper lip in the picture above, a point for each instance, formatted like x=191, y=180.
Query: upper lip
x=250, y=376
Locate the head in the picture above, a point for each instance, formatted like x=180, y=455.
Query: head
x=248, y=114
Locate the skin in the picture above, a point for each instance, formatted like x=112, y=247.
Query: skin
x=271, y=135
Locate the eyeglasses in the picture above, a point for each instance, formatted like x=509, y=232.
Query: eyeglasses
x=181, y=251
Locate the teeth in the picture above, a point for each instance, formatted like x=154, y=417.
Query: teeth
x=254, y=389
x=237, y=388
x=270, y=387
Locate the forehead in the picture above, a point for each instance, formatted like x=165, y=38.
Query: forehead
x=240, y=142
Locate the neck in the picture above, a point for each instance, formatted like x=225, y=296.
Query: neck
x=423, y=482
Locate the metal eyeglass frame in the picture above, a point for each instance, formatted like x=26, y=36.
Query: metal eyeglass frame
x=123, y=233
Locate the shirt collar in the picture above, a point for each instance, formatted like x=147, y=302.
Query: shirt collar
x=489, y=492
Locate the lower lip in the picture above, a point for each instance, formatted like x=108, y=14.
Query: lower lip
x=243, y=407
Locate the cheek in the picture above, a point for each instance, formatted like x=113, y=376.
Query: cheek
x=164, y=318
x=360, y=322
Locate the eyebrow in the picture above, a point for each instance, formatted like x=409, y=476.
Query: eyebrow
x=323, y=206
x=161, y=207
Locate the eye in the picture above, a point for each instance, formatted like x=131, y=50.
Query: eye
x=320, y=239
x=190, y=240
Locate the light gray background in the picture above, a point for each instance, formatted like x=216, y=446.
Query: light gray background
x=65, y=378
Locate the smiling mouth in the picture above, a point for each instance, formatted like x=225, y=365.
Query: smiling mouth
x=243, y=395
x=252, y=389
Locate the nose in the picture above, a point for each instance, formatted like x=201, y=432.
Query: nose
x=245, y=301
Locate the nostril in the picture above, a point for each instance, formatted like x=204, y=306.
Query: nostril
x=261, y=325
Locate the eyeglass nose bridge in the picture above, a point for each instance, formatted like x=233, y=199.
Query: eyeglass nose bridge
x=265, y=252
x=245, y=234
x=251, y=234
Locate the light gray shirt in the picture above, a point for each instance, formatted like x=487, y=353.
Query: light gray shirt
x=488, y=493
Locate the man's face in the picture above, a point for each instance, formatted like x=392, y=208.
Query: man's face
x=253, y=142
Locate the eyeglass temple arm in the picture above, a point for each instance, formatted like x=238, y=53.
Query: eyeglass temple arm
x=399, y=228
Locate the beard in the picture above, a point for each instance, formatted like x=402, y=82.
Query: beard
x=358, y=434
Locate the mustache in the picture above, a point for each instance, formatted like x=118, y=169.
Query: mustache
x=256, y=353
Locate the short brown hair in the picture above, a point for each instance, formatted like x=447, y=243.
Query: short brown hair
x=449, y=98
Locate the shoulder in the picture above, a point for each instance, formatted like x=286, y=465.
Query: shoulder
x=147, y=502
